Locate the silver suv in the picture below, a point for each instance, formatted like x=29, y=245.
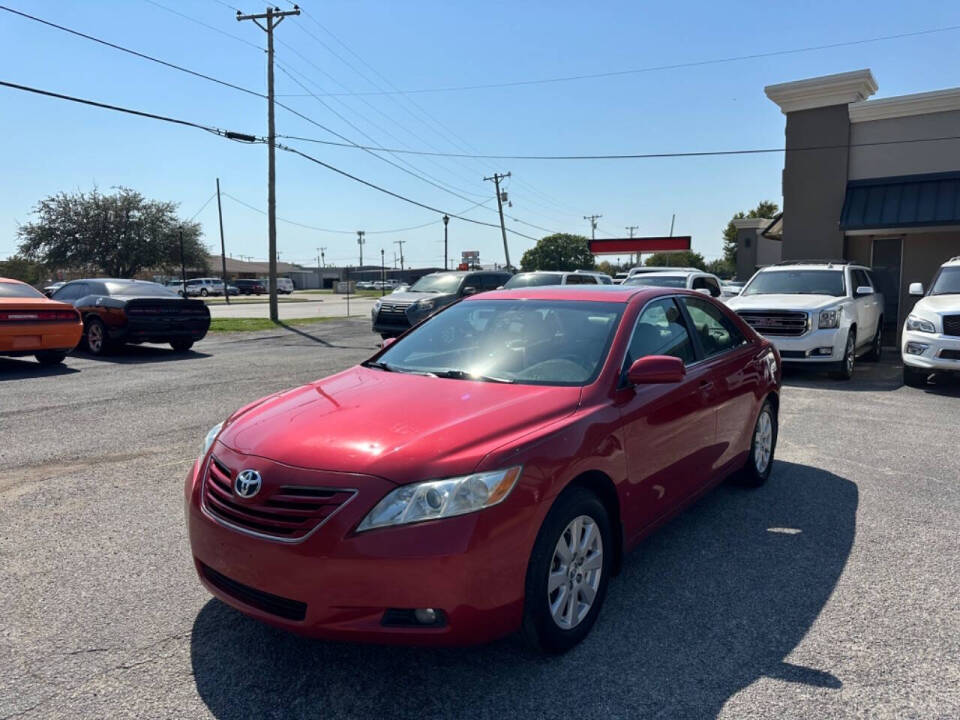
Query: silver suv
x=824, y=313
x=538, y=278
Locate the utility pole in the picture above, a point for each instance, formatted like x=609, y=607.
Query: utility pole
x=672, y=219
x=400, y=243
x=323, y=257
x=446, y=221
x=630, y=229
x=272, y=17
x=319, y=277
x=360, y=242
x=183, y=266
x=383, y=275
x=593, y=224
x=223, y=250
x=497, y=177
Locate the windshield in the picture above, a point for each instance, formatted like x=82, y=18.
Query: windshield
x=438, y=284
x=673, y=281
x=534, y=280
x=140, y=289
x=947, y=282
x=535, y=342
x=16, y=290
x=797, y=282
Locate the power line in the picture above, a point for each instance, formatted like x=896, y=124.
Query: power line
x=208, y=25
x=202, y=208
x=140, y=113
x=659, y=68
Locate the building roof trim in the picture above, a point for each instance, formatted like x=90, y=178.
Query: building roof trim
x=906, y=105
x=838, y=89
x=750, y=223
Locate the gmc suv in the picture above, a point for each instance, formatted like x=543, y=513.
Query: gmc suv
x=816, y=312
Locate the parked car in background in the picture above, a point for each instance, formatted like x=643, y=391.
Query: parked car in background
x=730, y=288
x=250, y=287
x=402, y=287
x=686, y=279
x=116, y=311
x=284, y=285
x=232, y=290
x=33, y=324
x=403, y=310
x=542, y=277
x=822, y=313
x=531, y=437
x=52, y=288
x=204, y=286
x=366, y=285
x=620, y=277
x=931, y=333
x=644, y=269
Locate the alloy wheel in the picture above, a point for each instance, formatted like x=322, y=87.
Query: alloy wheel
x=849, y=358
x=95, y=337
x=763, y=442
x=575, y=570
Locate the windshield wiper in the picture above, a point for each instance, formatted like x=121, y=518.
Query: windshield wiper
x=464, y=375
x=377, y=364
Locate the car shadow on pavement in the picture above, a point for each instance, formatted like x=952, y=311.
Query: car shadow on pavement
x=14, y=369
x=133, y=354
x=326, y=343
x=713, y=601
x=885, y=375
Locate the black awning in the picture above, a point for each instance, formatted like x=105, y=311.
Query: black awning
x=902, y=202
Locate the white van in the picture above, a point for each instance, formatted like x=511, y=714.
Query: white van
x=284, y=285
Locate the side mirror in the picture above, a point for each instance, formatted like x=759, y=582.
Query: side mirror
x=470, y=290
x=387, y=342
x=864, y=290
x=705, y=291
x=48, y=293
x=916, y=288
x=656, y=369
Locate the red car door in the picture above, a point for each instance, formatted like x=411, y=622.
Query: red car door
x=735, y=373
x=668, y=429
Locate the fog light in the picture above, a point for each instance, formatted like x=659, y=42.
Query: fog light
x=915, y=348
x=823, y=351
x=425, y=616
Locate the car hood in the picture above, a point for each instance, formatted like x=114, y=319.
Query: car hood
x=782, y=302
x=406, y=297
x=397, y=426
x=938, y=304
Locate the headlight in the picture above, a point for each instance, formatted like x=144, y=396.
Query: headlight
x=376, y=306
x=920, y=325
x=441, y=498
x=211, y=436
x=829, y=318
x=426, y=304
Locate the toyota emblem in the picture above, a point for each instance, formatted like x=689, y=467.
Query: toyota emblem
x=248, y=483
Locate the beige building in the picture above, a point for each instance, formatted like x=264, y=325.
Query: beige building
x=874, y=181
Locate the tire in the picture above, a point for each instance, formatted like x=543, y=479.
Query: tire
x=50, y=357
x=914, y=377
x=540, y=629
x=876, y=347
x=203, y=292
x=95, y=338
x=181, y=344
x=763, y=446
x=845, y=367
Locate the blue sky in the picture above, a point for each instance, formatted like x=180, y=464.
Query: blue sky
x=49, y=145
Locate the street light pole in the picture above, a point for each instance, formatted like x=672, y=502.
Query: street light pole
x=446, y=221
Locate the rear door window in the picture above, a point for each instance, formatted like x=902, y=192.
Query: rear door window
x=716, y=332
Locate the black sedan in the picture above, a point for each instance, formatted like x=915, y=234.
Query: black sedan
x=134, y=311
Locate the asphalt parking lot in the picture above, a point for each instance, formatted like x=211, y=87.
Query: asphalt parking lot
x=830, y=592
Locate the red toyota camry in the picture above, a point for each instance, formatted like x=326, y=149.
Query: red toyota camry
x=486, y=472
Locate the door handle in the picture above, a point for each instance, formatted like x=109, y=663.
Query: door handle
x=706, y=386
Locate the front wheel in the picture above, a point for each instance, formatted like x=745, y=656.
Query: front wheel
x=568, y=572
x=762, y=447
x=845, y=369
x=181, y=345
x=203, y=292
x=914, y=377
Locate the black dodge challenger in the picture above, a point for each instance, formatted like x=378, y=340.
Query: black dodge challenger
x=134, y=311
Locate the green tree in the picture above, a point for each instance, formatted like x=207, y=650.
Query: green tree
x=766, y=209
x=686, y=258
x=118, y=234
x=558, y=252
x=20, y=268
x=722, y=268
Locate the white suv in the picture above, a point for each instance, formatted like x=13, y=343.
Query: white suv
x=824, y=313
x=687, y=278
x=931, y=333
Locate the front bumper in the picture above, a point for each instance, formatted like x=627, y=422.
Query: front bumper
x=472, y=567
x=807, y=348
x=933, y=356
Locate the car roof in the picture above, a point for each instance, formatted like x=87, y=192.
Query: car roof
x=952, y=262
x=590, y=293
x=11, y=280
x=675, y=273
x=810, y=266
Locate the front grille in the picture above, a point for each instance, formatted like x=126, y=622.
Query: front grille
x=267, y=602
x=393, y=314
x=950, y=354
x=793, y=354
x=776, y=322
x=951, y=325
x=285, y=512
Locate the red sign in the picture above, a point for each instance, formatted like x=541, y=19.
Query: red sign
x=626, y=246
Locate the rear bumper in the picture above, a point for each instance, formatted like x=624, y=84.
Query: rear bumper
x=935, y=348
x=28, y=339
x=337, y=585
x=808, y=347
x=160, y=332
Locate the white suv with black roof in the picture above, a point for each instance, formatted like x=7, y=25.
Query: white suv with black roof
x=931, y=333
x=822, y=313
